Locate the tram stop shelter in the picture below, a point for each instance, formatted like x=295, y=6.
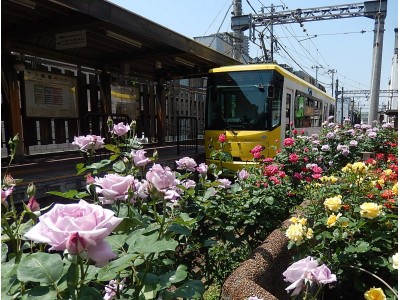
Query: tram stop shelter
x=60, y=58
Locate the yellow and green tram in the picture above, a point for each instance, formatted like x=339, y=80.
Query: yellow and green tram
x=254, y=105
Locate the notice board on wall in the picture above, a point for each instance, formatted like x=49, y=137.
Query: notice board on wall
x=49, y=95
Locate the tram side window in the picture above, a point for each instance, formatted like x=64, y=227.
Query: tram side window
x=308, y=112
x=331, y=110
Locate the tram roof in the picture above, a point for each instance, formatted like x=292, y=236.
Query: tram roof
x=107, y=37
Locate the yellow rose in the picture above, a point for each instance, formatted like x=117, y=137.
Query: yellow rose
x=303, y=221
x=395, y=259
x=333, y=203
x=375, y=294
x=347, y=168
x=332, y=219
x=295, y=233
x=310, y=233
x=395, y=189
x=333, y=179
x=388, y=172
x=359, y=167
x=324, y=179
x=370, y=210
x=294, y=220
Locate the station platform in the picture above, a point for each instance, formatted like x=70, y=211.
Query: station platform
x=58, y=172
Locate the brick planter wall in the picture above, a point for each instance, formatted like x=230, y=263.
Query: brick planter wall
x=261, y=274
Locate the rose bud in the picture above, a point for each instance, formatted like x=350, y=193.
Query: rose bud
x=75, y=244
x=33, y=205
x=31, y=190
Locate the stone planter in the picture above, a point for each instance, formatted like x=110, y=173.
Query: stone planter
x=261, y=274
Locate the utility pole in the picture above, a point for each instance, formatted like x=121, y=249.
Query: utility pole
x=336, y=99
x=272, y=35
x=341, y=118
x=237, y=33
x=377, y=62
x=333, y=71
x=316, y=73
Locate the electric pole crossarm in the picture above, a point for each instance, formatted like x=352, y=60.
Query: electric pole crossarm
x=368, y=91
x=333, y=12
x=311, y=14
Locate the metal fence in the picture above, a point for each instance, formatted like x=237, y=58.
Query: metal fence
x=187, y=134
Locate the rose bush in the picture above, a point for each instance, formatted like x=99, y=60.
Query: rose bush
x=349, y=221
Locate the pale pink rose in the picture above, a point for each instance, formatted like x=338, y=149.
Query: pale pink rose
x=161, y=178
x=243, y=174
x=120, y=129
x=186, y=163
x=92, y=222
x=142, y=189
x=114, y=187
x=171, y=194
x=188, y=183
x=139, y=158
x=88, y=142
x=111, y=289
x=297, y=272
x=224, y=183
x=5, y=193
x=322, y=275
x=202, y=169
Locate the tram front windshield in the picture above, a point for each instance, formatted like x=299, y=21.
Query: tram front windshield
x=238, y=100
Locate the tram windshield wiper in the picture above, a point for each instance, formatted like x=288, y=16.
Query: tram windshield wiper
x=228, y=126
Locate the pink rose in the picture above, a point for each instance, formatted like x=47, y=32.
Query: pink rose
x=114, y=187
x=222, y=138
x=256, y=149
x=288, y=142
x=92, y=222
x=297, y=272
x=186, y=163
x=139, y=158
x=293, y=158
x=161, y=178
x=120, y=129
x=88, y=142
x=322, y=275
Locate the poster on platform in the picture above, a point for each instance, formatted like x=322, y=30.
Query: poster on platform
x=49, y=95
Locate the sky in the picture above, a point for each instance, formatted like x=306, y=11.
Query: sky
x=330, y=44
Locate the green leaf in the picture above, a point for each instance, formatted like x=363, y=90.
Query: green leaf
x=4, y=251
x=40, y=293
x=150, y=244
x=40, y=267
x=192, y=289
x=119, y=166
x=71, y=194
x=89, y=293
x=110, y=270
x=112, y=148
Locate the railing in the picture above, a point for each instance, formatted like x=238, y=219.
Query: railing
x=186, y=134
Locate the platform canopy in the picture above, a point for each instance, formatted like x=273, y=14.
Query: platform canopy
x=100, y=35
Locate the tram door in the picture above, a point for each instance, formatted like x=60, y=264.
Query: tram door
x=288, y=111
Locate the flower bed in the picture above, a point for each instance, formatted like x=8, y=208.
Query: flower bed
x=343, y=243
x=145, y=231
